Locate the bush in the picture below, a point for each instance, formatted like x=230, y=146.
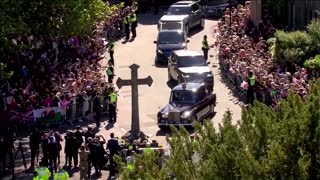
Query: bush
x=314, y=31
x=293, y=47
x=313, y=63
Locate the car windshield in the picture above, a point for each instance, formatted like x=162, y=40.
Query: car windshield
x=182, y=96
x=188, y=61
x=178, y=10
x=170, y=37
x=171, y=25
x=217, y=2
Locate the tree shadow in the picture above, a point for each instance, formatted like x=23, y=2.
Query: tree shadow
x=167, y=131
x=149, y=19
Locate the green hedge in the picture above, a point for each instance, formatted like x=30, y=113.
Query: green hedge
x=297, y=46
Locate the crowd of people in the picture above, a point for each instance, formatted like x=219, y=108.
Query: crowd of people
x=244, y=49
x=83, y=151
x=66, y=73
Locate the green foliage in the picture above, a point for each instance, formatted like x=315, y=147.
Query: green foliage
x=4, y=76
x=313, y=63
x=293, y=47
x=266, y=144
x=314, y=31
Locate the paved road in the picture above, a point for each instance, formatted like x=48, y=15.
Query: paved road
x=142, y=52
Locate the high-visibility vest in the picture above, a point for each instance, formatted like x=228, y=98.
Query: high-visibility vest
x=109, y=71
x=126, y=20
x=43, y=173
x=147, y=150
x=205, y=44
x=134, y=6
x=36, y=178
x=252, y=80
x=111, y=47
x=134, y=17
x=130, y=163
x=61, y=175
x=113, y=97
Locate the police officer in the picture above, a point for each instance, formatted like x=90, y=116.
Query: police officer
x=126, y=22
x=134, y=6
x=110, y=72
x=43, y=172
x=205, y=47
x=251, y=88
x=112, y=97
x=134, y=24
x=35, y=176
x=111, y=51
x=61, y=175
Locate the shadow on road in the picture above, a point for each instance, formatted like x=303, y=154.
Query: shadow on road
x=167, y=131
x=149, y=19
x=194, y=31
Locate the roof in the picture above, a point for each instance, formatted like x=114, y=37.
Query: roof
x=190, y=86
x=186, y=53
x=173, y=17
x=183, y=3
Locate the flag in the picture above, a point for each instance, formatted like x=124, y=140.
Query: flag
x=22, y=117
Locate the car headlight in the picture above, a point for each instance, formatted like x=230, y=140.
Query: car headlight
x=159, y=51
x=185, y=75
x=185, y=115
x=164, y=115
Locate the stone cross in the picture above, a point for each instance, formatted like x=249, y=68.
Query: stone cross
x=134, y=82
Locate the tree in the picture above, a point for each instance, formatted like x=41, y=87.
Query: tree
x=281, y=143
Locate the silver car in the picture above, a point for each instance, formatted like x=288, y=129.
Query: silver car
x=189, y=12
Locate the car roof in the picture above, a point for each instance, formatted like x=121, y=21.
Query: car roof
x=173, y=17
x=184, y=3
x=190, y=86
x=171, y=30
x=186, y=53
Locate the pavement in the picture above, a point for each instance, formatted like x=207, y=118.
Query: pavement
x=141, y=51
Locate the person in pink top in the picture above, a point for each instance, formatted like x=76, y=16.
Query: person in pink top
x=48, y=101
x=64, y=104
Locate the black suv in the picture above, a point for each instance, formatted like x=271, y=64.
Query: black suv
x=168, y=41
x=189, y=66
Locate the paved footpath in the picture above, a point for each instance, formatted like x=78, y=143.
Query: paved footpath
x=142, y=52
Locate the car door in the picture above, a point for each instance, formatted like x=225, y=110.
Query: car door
x=202, y=104
x=173, y=66
x=195, y=13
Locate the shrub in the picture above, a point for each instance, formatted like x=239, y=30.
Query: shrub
x=313, y=63
x=293, y=47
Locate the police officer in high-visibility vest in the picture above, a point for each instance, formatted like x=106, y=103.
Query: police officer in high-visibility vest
x=251, y=88
x=111, y=51
x=130, y=162
x=126, y=22
x=148, y=150
x=134, y=6
x=110, y=72
x=205, y=47
x=43, y=172
x=134, y=24
x=35, y=176
x=112, y=97
x=61, y=175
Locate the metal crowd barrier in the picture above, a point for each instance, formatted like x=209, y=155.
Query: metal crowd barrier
x=262, y=94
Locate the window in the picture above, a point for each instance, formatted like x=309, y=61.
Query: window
x=201, y=94
x=181, y=96
x=189, y=61
x=178, y=10
x=171, y=37
x=195, y=7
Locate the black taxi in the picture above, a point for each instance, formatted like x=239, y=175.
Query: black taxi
x=188, y=102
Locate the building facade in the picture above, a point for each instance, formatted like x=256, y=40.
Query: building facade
x=301, y=12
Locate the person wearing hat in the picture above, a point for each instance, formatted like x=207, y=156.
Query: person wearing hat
x=112, y=99
x=61, y=175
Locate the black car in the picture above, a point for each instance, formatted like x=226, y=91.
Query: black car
x=189, y=102
x=216, y=8
x=189, y=66
x=168, y=41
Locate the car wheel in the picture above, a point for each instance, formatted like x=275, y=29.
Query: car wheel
x=187, y=29
x=202, y=22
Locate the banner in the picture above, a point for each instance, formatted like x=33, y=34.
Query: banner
x=47, y=115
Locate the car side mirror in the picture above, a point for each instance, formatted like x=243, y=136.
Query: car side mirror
x=188, y=41
x=155, y=42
